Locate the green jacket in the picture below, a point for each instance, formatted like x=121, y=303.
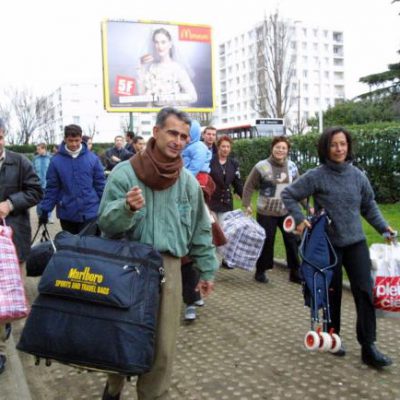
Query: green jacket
x=174, y=220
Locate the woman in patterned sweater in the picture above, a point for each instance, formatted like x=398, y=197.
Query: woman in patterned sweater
x=270, y=177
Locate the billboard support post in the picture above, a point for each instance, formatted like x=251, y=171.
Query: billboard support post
x=131, y=121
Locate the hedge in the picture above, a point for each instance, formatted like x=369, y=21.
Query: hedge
x=377, y=152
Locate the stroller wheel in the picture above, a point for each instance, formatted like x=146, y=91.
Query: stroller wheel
x=289, y=224
x=336, y=343
x=326, y=341
x=311, y=340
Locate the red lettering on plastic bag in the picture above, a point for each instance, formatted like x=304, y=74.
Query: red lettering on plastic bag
x=387, y=293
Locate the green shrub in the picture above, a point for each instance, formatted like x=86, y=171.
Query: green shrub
x=377, y=152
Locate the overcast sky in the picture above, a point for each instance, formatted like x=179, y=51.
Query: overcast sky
x=45, y=42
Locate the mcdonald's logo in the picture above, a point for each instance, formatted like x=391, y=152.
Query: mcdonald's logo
x=194, y=33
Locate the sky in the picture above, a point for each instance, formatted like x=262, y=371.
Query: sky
x=45, y=43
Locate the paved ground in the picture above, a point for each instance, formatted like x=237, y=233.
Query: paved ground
x=246, y=344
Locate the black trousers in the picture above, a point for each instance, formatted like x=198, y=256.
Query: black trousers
x=356, y=261
x=291, y=241
x=190, y=279
x=74, y=227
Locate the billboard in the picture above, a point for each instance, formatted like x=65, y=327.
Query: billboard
x=148, y=65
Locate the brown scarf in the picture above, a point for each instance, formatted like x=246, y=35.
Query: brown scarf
x=155, y=174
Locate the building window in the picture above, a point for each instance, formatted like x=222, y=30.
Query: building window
x=76, y=119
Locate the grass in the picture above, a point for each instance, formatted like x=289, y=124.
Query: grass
x=391, y=213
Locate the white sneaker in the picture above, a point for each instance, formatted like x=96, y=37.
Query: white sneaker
x=199, y=303
x=190, y=313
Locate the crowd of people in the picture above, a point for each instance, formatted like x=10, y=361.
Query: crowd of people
x=172, y=192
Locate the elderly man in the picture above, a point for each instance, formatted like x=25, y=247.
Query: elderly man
x=154, y=200
x=19, y=190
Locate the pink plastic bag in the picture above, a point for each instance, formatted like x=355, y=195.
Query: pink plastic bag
x=13, y=303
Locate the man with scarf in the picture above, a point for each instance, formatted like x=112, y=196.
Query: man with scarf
x=152, y=199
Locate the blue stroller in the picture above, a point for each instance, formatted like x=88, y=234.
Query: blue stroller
x=318, y=260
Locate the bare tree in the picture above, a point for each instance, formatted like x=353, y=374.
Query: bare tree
x=26, y=108
x=5, y=115
x=274, y=67
x=91, y=130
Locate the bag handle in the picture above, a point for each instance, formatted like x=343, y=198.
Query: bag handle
x=45, y=237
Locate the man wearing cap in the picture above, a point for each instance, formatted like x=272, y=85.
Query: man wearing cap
x=20, y=189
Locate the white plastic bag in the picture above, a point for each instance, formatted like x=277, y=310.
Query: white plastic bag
x=385, y=261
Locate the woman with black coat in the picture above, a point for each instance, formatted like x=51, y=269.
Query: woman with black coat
x=226, y=175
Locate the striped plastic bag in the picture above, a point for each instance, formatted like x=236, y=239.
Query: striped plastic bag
x=13, y=303
x=245, y=240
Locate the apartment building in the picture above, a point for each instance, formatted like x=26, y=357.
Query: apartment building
x=316, y=56
x=81, y=103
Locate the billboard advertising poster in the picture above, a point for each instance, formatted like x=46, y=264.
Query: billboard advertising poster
x=150, y=65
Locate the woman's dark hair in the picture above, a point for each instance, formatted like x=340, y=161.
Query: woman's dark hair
x=325, y=140
x=278, y=139
x=224, y=138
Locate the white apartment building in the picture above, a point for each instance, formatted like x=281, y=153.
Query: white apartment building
x=317, y=81
x=82, y=104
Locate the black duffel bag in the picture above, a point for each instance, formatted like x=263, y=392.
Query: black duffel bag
x=41, y=253
x=97, y=305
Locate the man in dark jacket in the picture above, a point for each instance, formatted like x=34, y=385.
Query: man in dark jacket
x=117, y=153
x=209, y=139
x=75, y=183
x=129, y=137
x=19, y=190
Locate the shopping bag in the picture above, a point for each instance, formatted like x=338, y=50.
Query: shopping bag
x=40, y=253
x=245, y=240
x=385, y=262
x=13, y=303
x=97, y=306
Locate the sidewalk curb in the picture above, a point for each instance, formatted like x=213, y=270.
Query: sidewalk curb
x=282, y=264
x=17, y=385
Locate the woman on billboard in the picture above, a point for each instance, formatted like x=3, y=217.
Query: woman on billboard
x=162, y=77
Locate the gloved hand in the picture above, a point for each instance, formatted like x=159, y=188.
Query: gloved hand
x=43, y=218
